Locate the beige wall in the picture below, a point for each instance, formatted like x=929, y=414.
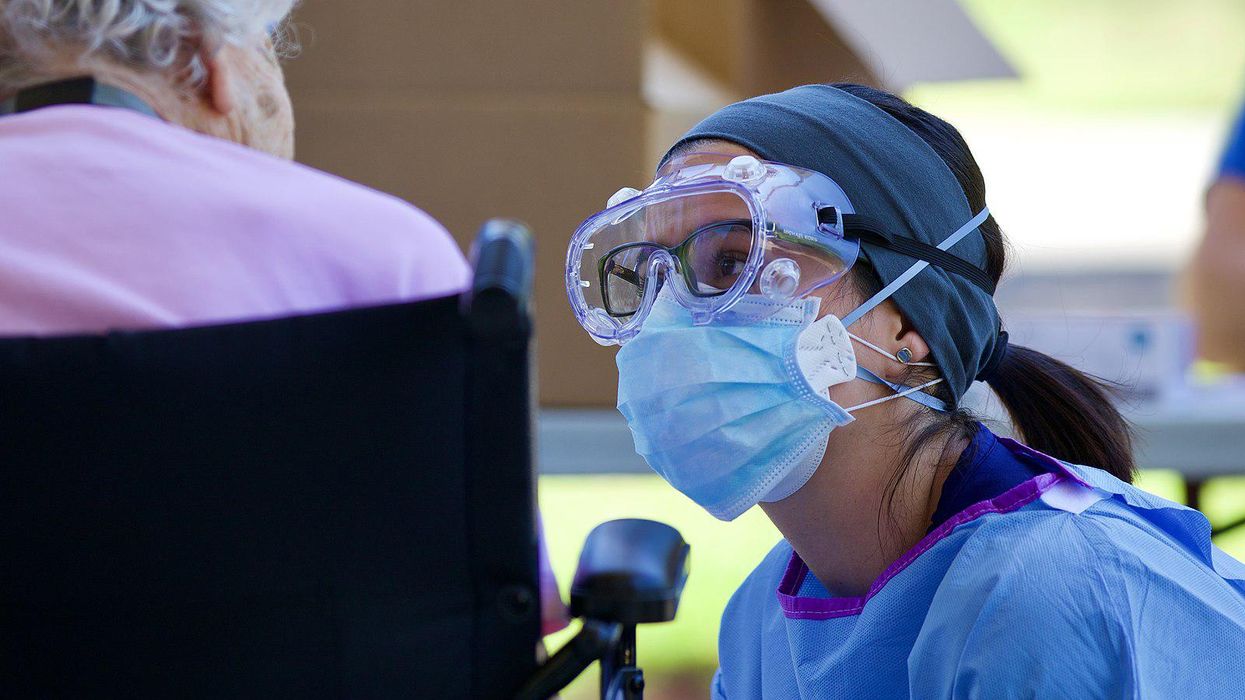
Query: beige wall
x=758, y=46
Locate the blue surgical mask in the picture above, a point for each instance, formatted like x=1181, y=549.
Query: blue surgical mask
x=736, y=411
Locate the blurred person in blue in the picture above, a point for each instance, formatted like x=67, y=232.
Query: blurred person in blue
x=1217, y=271
x=802, y=297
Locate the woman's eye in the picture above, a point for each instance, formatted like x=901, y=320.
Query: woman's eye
x=730, y=265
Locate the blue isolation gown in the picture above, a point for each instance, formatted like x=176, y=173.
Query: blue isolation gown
x=1069, y=584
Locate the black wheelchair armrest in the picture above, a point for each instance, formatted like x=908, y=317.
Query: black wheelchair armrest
x=630, y=571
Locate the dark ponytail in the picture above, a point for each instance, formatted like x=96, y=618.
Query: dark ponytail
x=1063, y=412
x=1055, y=408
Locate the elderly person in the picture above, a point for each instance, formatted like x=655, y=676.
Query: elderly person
x=167, y=196
x=146, y=180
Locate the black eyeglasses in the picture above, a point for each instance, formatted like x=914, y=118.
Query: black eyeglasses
x=710, y=260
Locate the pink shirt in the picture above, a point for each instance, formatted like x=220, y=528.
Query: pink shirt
x=110, y=219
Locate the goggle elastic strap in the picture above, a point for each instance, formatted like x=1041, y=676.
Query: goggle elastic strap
x=884, y=353
x=867, y=230
x=916, y=268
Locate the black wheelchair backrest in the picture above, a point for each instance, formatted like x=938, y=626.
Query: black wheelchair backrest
x=338, y=504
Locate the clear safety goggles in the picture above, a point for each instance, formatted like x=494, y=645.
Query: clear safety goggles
x=715, y=228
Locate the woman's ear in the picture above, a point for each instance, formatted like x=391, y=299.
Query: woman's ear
x=898, y=334
x=219, y=87
x=909, y=338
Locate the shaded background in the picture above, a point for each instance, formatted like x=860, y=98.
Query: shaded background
x=1096, y=151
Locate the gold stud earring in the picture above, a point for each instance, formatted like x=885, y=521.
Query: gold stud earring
x=904, y=355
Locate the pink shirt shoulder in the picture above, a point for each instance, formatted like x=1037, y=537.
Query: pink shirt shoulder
x=111, y=219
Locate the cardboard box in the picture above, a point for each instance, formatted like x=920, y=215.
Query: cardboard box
x=463, y=47
x=548, y=163
x=472, y=109
x=759, y=46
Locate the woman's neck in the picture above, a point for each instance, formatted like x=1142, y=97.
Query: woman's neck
x=862, y=509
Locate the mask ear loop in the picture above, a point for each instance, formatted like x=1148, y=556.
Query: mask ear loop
x=909, y=392
x=886, y=354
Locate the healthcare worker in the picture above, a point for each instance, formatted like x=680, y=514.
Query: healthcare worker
x=802, y=297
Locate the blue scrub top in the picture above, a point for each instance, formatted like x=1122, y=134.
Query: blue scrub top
x=1069, y=583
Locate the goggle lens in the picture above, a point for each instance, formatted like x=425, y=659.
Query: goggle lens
x=699, y=229
x=625, y=274
x=706, y=238
x=710, y=261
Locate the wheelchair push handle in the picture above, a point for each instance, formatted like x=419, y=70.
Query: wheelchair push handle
x=498, y=303
x=502, y=260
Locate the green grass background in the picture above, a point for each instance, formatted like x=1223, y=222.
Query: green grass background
x=1106, y=56
x=1075, y=57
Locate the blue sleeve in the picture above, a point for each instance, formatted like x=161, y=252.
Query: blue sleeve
x=716, y=691
x=1233, y=160
x=742, y=644
x=1081, y=606
x=1025, y=613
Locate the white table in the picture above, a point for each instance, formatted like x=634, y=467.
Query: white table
x=1200, y=434
x=1200, y=439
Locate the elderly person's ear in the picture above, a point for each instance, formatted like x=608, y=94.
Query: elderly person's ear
x=222, y=81
x=243, y=97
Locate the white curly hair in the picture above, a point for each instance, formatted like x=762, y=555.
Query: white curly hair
x=142, y=35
